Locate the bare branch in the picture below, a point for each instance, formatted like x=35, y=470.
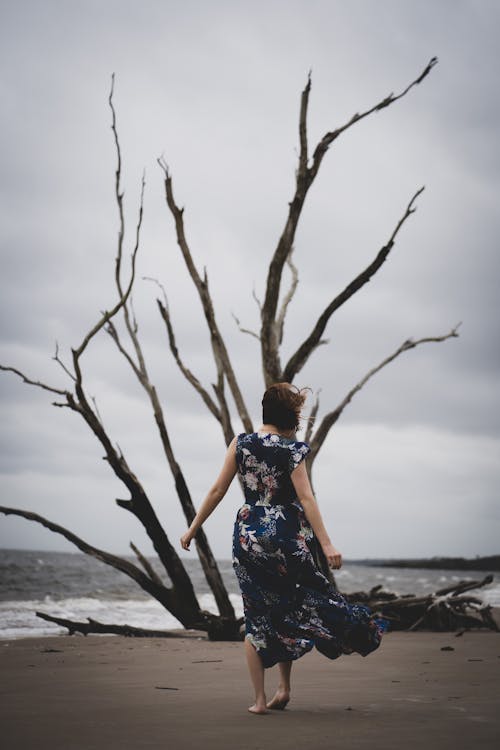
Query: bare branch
x=190, y=377
x=135, y=325
x=34, y=382
x=304, y=103
x=226, y=425
x=209, y=402
x=94, y=626
x=131, y=324
x=328, y=138
x=158, y=284
x=96, y=409
x=59, y=360
x=118, y=193
x=300, y=357
x=269, y=340
x=151, y=572
x=257, y=300
x=106, y=317
x=124, y=295
x=110, y=328
x=312, y=417
x=218, y=346
x=329, y=419
x=132, y=571
x=280, y=322
x=245, y=330
x=304, y=178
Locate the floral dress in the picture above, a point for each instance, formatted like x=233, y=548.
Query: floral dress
x=289, y=605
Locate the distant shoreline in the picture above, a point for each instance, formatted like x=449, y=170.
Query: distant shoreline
x=485, y=564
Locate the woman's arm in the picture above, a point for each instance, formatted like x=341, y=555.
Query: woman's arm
x=304, y=492
x=215, y=494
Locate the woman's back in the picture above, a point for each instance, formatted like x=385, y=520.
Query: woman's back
x=265, y=463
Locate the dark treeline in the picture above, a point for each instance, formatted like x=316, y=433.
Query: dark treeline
x=490, y=563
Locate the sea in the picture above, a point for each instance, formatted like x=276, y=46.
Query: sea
x=75, y=586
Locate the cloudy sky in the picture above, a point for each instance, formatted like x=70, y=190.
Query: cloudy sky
x=413, y=467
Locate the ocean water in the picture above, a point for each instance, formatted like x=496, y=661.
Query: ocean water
x=76, y=586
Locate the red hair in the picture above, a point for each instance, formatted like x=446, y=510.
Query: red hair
x=282, y=404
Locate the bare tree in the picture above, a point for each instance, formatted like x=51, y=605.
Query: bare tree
x=272, y=313
x=178, y=596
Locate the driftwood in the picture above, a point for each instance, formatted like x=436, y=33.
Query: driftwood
x=94, y=626
x=444, y=610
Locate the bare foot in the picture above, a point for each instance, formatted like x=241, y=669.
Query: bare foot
x=258, y=708
x=278, y=703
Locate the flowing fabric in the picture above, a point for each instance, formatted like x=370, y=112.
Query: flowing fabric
x=289, y=605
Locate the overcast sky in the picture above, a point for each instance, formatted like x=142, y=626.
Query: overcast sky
x=412, y=468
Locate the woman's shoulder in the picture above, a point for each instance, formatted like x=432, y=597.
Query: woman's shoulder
x=245, y=441
x=245, y=437
x=274, y=441
x=271, y=439
x=284, y=451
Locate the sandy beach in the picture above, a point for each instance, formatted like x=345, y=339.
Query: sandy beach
x=77, y=693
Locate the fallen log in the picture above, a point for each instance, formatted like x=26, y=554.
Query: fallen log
x=94, y=626
x=461, y=586
x=444, y=610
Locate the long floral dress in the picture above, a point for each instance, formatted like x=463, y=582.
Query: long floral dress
x=289, y=605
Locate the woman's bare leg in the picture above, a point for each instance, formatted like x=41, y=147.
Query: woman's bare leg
x=256, y=669
x=282, y=695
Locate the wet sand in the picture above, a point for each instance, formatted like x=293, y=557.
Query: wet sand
x=111, y=692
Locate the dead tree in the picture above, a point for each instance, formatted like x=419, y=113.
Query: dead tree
x=272, y=313
x=178, y=597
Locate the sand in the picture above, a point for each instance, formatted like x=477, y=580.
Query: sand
x=72, y=693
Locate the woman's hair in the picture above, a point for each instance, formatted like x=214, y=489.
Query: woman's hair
x=281, y=405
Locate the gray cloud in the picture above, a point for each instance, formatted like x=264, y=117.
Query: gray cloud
x=215, y=87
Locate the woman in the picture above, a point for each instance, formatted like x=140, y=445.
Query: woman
x=289, y=605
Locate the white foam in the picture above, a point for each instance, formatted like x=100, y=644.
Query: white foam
x=18, y=618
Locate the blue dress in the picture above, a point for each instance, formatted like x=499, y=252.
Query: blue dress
x=289, y=605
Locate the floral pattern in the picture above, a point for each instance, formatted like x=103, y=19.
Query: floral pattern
x=290, y=606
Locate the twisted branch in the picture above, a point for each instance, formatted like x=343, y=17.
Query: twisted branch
x=280, y=322
x=311, y=420
x=150, y=571
x=329, y=419
x=245, y=330
x=219, y=349
x=57, y=359
x=305, y=176
x=29, y=381
x=157, y=590
x=328, y=138
x=300, y=357
x=190, y=377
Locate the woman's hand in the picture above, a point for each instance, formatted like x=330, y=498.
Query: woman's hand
x=186, y=539
x=332, y=555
